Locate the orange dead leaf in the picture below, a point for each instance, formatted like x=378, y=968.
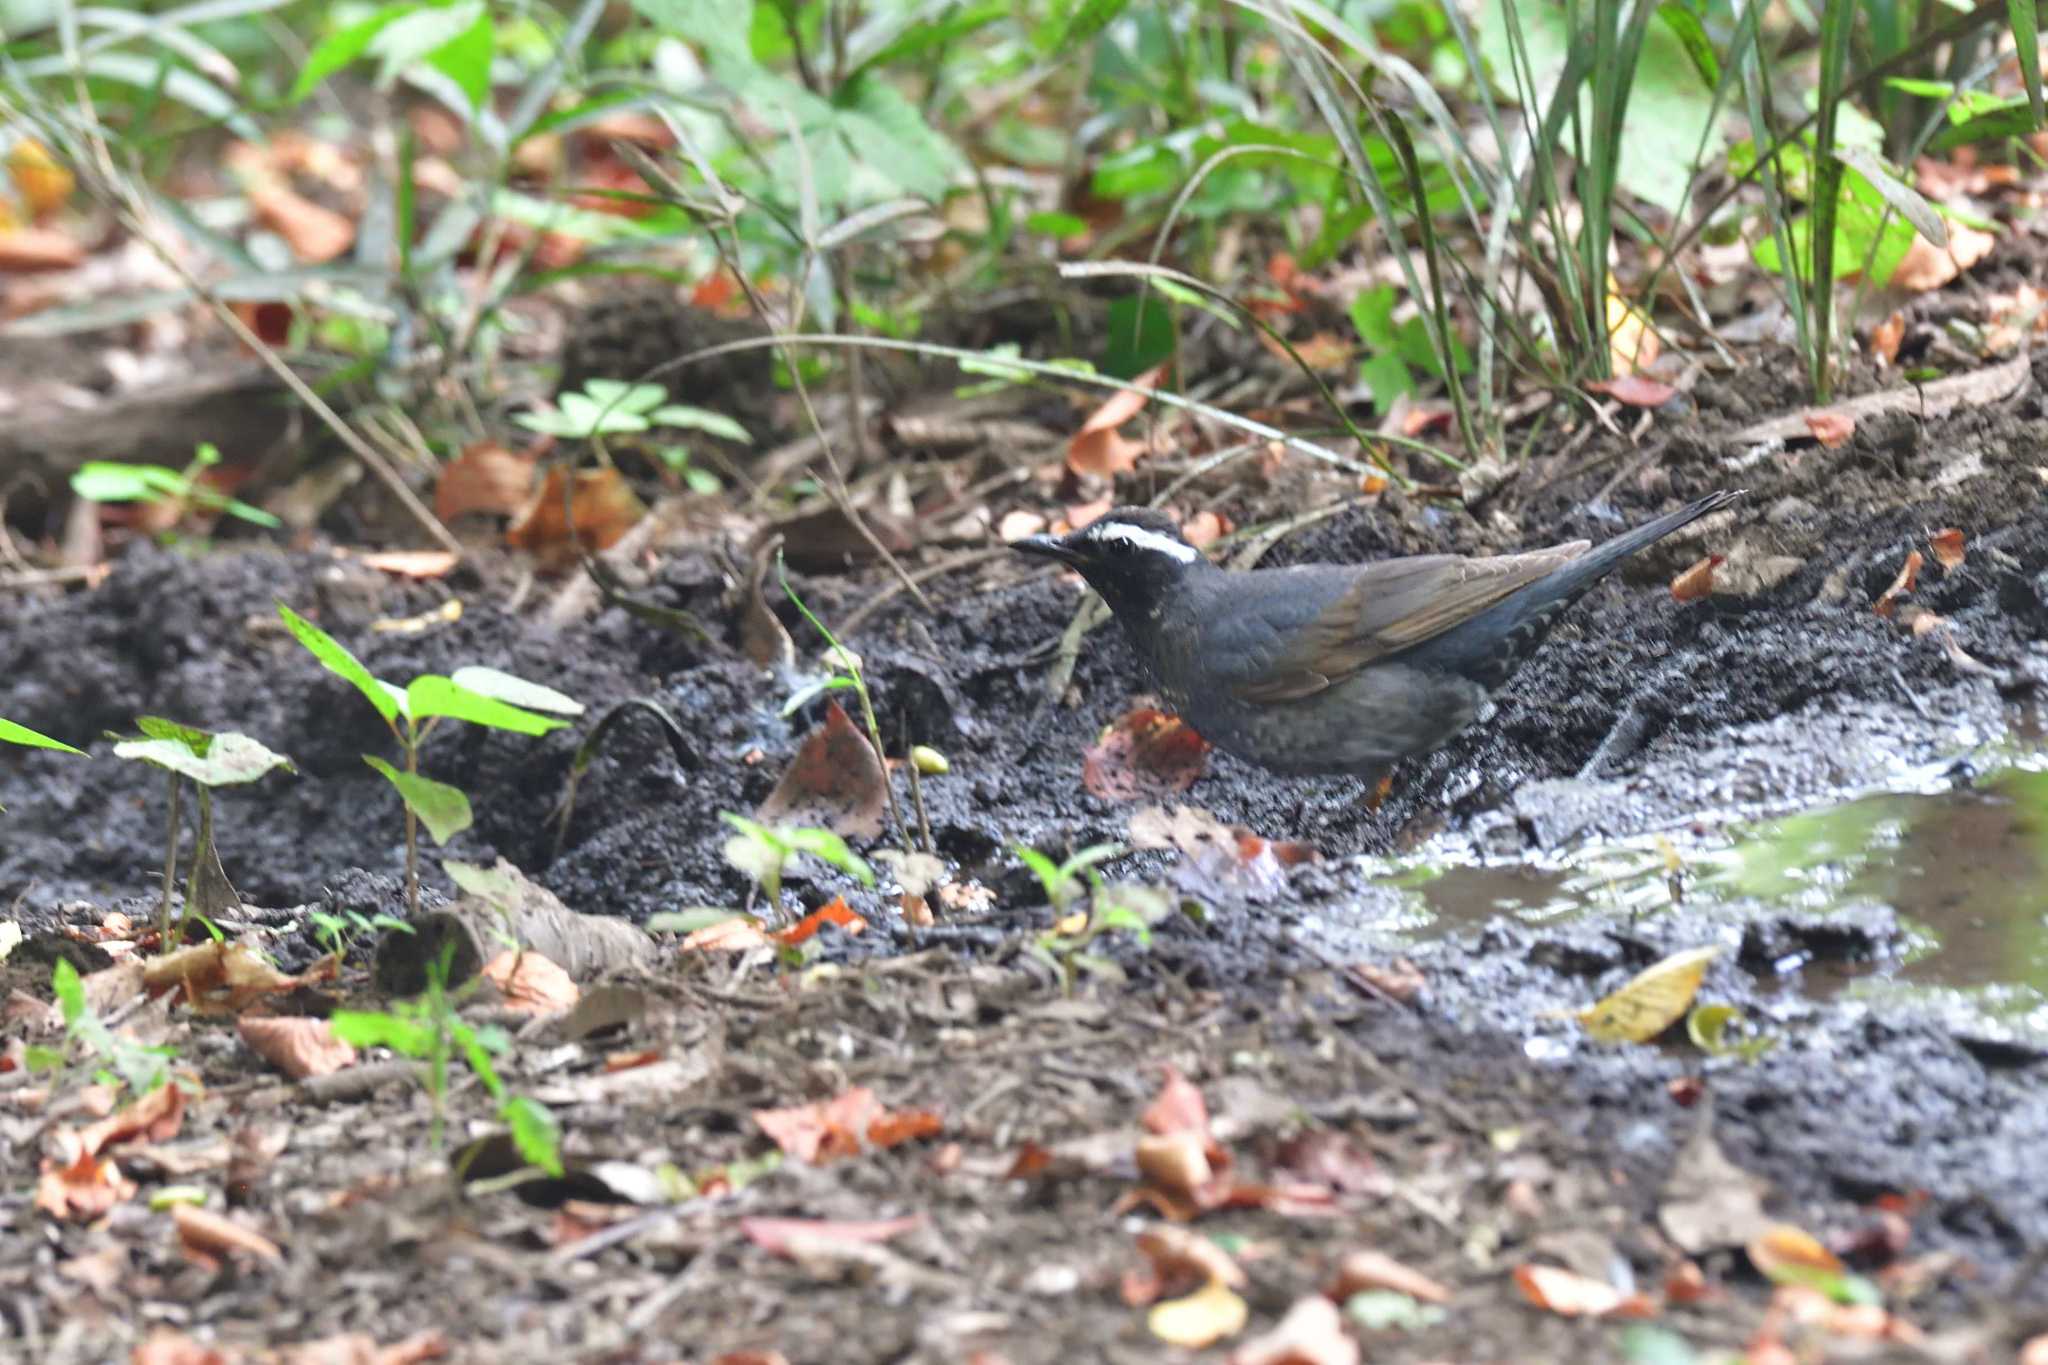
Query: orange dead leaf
x=629, y=1061
x=606, y=507
x=215, y=976
x=1203, y=1318
x=1179, y=1107
x=485, y=478
x=1687, y=1284
x=299, y=1047
x=1635, y=390
x=1176, y=1162
x=210, y=1238
x=1949, y=547
x=838, y=912
x=1783, y=1253
x=1927, y=266
x=1081, y=514
x=1909, y=574
x=23, y=249
x=841, y=1126
x=1323, y=351
x=715, y=291
x=1097, y=448
x=898, y=1126
x=1145, y=752
x=735, y=935
x=315, y=233
x=1697, y=581
x=1831, y=429
x=751, y=1358
x=1572, y=1295
x=43, y=182
x=1312, y=1333
x=411, y=563
x=1363, y=1270
x=155, y=1117
x=531, y=983
x=1886, y=336
x=78, y=1184
x=1178, y=1254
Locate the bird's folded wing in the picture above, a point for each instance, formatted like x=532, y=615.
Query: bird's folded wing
x=1392, y=606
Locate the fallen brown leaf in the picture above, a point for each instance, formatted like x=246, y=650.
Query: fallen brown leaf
x=411, y=563
x=25, y=249
x=1367, y=1269
x=1909, y=574
x=1312, y=1333
x=485, y=478
x=299, y=1047
x=211, y=1238
x=1949, y=548
x=1886, y=336
x=835, y=780
x=1926, y=266
x=837, y=912
x=1097, y=448
x=1635, y=390
x=788, y=1236
x=1831, y=428
x=1145, y=752
x=531, y=983
x=1572, y=1295
x=315, y=233
x=1697, y=581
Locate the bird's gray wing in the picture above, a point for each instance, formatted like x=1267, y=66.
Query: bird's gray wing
x=1391, y=606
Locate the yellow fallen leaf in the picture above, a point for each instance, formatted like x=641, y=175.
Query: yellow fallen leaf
x=1203, y=1318
x=1651, y=1001
x=1632, y=346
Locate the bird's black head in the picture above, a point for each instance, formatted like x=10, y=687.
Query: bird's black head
x=1133, y=556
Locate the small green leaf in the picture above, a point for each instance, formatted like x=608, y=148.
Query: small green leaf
x=357, y=1028
x=1048, y=872
x=534, y=1132
x=443, y=809
x=69, y=990
x=466, y=58
x=2026, y=37
x=230, y=759
x=111, y=481
x=30, y=739
x=341, y=663
x=191, y=736
x=1056, y=224
x=698, y=419
x=337, y=50
x=618, y=396
x=433, y=695
x=1905, y=201
x=828, y=847
x=501, y=686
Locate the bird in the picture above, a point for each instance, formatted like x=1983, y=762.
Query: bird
x=1333, y=669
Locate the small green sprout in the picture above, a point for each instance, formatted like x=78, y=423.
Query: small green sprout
x=1075, y=888
x=29, y=739
x=113, y=481
x=848, y=675
x=762, y=853
x=431, y=1030
x=207, y=760
x=481, y=696
x=123, y=1062
x=337, y=934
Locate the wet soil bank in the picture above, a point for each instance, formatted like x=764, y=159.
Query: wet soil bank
x=1639, y=714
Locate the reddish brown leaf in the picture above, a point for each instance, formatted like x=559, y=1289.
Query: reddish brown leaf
x=1180, y=1257
x=838, y=912
x=530, y=983
x=1179, y=1107
x=735, y=935
x=485, y=478
x=1097, y=448
x=25, y=249
x=1926, y=266
x=899, y=1126
x=77, y=1184
x=1144, y=753
x=1886, y=336
x=1204, y=529
x=1949, y=548
x=155, y=1117
x=792, y=1236
x=1312, y=1333
x=1635, y=390
x=1831, y=428
x=606, y=507
x=1697, y=581
x=1572, y=1295
x=1363, y=1270
x=210, y=1238
x=835, y=780
x=316, y=234
x=1909, y=574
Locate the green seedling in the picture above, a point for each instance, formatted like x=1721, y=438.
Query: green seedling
x=338, y=934
x=122, y=1061
x=206, y=760
x=431, y=1030
x=847, y=675
x=30, y=739
x=111, y=481
x=481, y=696
x=762, y=853
x=607, y=407
x=1075, y=888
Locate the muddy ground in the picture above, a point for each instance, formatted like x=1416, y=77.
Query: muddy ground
x=1480, y=1130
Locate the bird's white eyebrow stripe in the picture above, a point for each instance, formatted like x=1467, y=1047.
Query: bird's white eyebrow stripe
x=1146, y=540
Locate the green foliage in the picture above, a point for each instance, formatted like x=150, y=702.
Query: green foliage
x=338, y=934
x=432, y=1031
x=1075, y=887
x=476, y=695
x=121, y=1061
x=763, y=853
x=112, y=481
x=10, y=733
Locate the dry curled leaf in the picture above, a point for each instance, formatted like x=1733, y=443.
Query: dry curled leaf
x=316, y=234
x=1177, y=1253
x=1886, y=336
x=1831, y=428
x=210, y=1238
x=1572, y=1295
x=798, y=1236
x=1097, y=448
x=1203, y=1318
x=1635, y=390
x=837, y=912
x=297, y=1046
x=531, y=983
x=1909, y=574
x=1926, y=266
x=835, y=780
x=1697, y=581
x=1368, y=1269
x=1312, y=1333
x=1949, y=547
x=485, y=478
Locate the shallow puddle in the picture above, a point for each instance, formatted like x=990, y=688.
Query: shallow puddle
x=1962, y=865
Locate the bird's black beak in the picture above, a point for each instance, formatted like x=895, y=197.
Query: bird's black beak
x=1047, y=547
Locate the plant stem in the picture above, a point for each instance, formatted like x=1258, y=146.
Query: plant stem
x=170, y=868
x=412, y=828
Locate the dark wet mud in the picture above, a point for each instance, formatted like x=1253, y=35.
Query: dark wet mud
x=1641, y=715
